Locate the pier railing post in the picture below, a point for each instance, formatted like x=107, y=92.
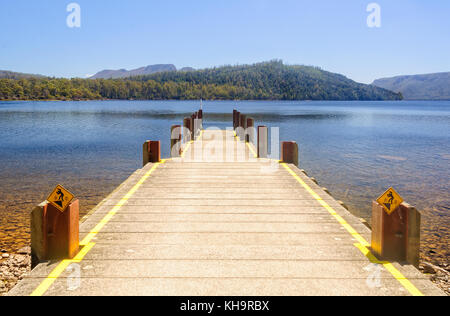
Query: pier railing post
x=242, y=124
x=193, y=127
x=263, y=142
x=200, y=118
x=396, y=236
x=250, y=131
x=289, y=152
x=175, y=141
x=151, y=152
x=234, y=119
x=54, y=234
x=146, y=153
x=238, y=122
x=187, y=130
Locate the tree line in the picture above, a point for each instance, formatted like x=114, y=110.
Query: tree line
x=264, y=81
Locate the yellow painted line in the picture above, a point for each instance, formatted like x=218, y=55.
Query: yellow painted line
x=186, y=149
x=87, y=243
x=390, y=267
x=252, y=150
x=363, y=244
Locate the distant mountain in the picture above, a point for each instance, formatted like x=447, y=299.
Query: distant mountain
x=123, y=73
x=186, y=69
x=419, y=87
x=5, y=74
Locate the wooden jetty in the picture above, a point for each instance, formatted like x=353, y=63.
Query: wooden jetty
x=217, y=220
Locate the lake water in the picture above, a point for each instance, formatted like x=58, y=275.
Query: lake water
x=355, y=149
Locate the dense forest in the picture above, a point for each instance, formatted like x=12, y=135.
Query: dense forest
x=264, y=81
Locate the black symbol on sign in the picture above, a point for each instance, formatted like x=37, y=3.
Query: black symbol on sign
x=60, y=198
x=390, y=201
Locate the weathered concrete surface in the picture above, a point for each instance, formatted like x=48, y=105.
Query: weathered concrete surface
x=205, y=225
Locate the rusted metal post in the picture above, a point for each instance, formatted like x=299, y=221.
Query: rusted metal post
x=242, y=125
x=146, y=153
x=151, y=152
x=289, y=152
x=396, y=237
x=193, y=136
x=54, y=234
x=187, y=130
x=175, y=141
x=250, y=130
x=263, y=141
x=200, y=120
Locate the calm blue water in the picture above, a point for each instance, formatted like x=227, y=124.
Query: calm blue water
x=356, y=149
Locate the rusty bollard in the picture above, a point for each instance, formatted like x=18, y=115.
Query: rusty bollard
x=187, y=130
x=250, y=130
x=175, y=141
x=242, y=125
x=54, y=233
x=200, y=120
x=193, y=131
x=263, y=141
x=289, y=152
x=396, y=236
x=151, y=152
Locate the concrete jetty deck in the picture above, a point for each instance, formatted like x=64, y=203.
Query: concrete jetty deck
x=203, y=224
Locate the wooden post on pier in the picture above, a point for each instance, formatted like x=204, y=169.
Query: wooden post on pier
x=250, y=130
x=175, y=141
x=234, y=119
x=200, y=120
x=54, y=234
x=151, y=152
x=289, y=152
x=263, y=141
x=396, y=236
x=187, y=130
x=193, y=127
x=243, y=126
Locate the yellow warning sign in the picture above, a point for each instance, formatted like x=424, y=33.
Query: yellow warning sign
x=60, y=198
x=390, y=200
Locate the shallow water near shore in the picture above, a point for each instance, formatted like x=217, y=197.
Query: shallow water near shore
x=355, y=149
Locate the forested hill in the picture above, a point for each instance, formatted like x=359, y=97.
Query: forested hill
x=5, y=74
x=263, y=81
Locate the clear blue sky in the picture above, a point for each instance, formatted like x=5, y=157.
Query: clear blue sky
x=414, y=36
